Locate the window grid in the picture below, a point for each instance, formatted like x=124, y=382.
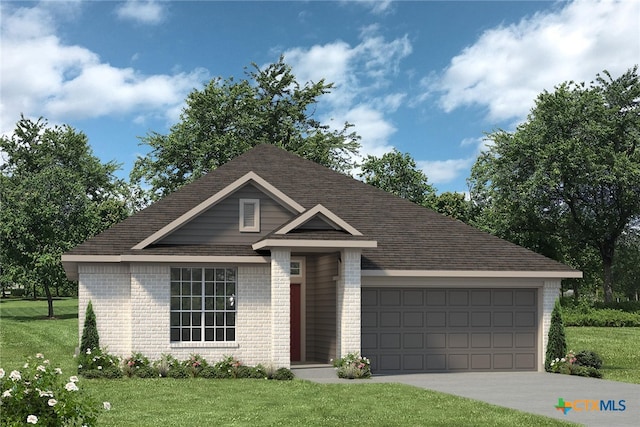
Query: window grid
x=203, y=304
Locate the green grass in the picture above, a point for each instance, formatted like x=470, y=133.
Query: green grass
x=618, y=347
x=24, y=331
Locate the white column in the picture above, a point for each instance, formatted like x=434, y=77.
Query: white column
x=348, y=303
x=280, y=306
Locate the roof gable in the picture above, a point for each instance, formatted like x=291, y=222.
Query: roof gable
x=250, y=177
x=323, y=214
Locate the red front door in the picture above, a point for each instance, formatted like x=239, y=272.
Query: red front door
x=294, y=341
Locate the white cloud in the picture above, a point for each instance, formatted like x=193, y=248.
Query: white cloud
x=43, y=76
x=143, y=12
x=508, y=66
x=360, y=74
x=444, y=171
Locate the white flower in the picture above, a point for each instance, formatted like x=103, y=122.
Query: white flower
x=106, y=405
x=32, y=419
x=88, y=351
x=1, y=373
x=99, y=367
x=15, y=376
x=71, y=387
x=52, y=402
x=563, y=360
x=46, y=362
x=41, y=368
x=58, y=371
x=73, y=379
x=39, y=356
x=6, y=393
x=26, y=365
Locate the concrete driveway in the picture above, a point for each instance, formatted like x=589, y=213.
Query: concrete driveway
x=533, y=392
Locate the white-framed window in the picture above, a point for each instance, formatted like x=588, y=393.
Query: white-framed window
x=296, y=268
x=250, y=215
x=203, y=304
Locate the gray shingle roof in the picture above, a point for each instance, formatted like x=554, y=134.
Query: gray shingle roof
x=409, y=236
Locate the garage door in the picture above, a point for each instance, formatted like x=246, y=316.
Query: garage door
x=439, y=330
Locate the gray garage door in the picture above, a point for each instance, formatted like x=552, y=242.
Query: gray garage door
x=437, y=330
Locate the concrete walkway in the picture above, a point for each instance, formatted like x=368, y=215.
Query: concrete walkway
x=533, y=392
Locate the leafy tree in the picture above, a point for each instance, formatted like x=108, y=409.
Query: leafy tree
x=557, y=341
x=455, y=205
x=226, y=118
x=54, y=194
x=398, y=174
x=626, y=267
x=569, y=176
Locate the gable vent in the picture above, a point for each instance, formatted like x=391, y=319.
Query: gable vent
x=250, y=215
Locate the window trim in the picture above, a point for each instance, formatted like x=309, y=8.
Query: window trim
x=255, y=228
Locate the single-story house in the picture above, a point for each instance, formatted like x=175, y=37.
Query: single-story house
x=272, y=258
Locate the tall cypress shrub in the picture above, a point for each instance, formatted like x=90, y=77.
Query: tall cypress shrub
x=90, y=338
x=557, y=342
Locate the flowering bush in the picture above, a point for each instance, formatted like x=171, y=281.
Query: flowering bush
x=227, y=367
x=353, y=366
x=570, y=365
x=165, y=365
x=135, y=365
x=98, y=363
x=40, y=394
x=195, y=364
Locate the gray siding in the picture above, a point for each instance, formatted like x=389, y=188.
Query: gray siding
x=220, y=223
x=321, y=308
x=316, y=224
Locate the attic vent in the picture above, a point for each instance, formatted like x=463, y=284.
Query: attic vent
x=250, y=215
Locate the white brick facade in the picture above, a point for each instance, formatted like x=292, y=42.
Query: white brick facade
x=348, y=303
x=132, y=306
x=280, y=306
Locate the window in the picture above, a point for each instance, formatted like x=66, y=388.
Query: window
x=203, y=304
x=295, y=268
x=250, y=215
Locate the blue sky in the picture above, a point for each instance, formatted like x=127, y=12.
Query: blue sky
x=428, y=78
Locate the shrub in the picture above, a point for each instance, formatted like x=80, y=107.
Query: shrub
x=97, y=359
x=557, y=342
x=146, y=372
x=244, y=371
x=111, y=372
x=259, y=372
x=39, y=394
x=353, y=366
x=165, y=364
x=90, y=339
x=283, y=374
x=194, y=364
x=133, y=363
x=228, y=367
x=209, y=372
x=568, y=365
x=179, y=372
x=589, y=359
x=604, y=317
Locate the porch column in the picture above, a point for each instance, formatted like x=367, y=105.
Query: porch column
x=348, y=303
x=280, y=301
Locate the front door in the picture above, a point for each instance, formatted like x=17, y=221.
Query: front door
x=295, y=329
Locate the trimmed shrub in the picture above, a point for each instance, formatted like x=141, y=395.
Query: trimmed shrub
x=178, y=372
x=589, y=358
x=244, y=371
x=146, y=372
x=586, y=371
x=90, y=338
x=209, y=372
x=557, y=342
x=97, y=360
x=112, y=372
x=228, y=367
x=133, y=363
x=283, y=374
x=259, y=372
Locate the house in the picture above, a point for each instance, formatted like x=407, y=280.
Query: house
x=275, y=259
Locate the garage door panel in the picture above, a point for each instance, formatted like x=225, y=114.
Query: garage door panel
x=390, y=319
x=421, y=330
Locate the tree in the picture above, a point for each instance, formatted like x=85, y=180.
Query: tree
x=557, y=341
x=455, y=205
x=90, y=338
x=398, y=174
x=54, y=194
x=226, y=118
x=626, y=267
x=570, y=175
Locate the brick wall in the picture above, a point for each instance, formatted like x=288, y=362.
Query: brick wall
x=280, y=306
x=108, y=288
x=132, y=305
x=348, y=303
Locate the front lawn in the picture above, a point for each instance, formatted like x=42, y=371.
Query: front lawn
x=24, y=331
x=618, y=347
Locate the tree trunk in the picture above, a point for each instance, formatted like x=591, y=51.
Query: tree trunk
x=606, y=251
x=49, y=299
